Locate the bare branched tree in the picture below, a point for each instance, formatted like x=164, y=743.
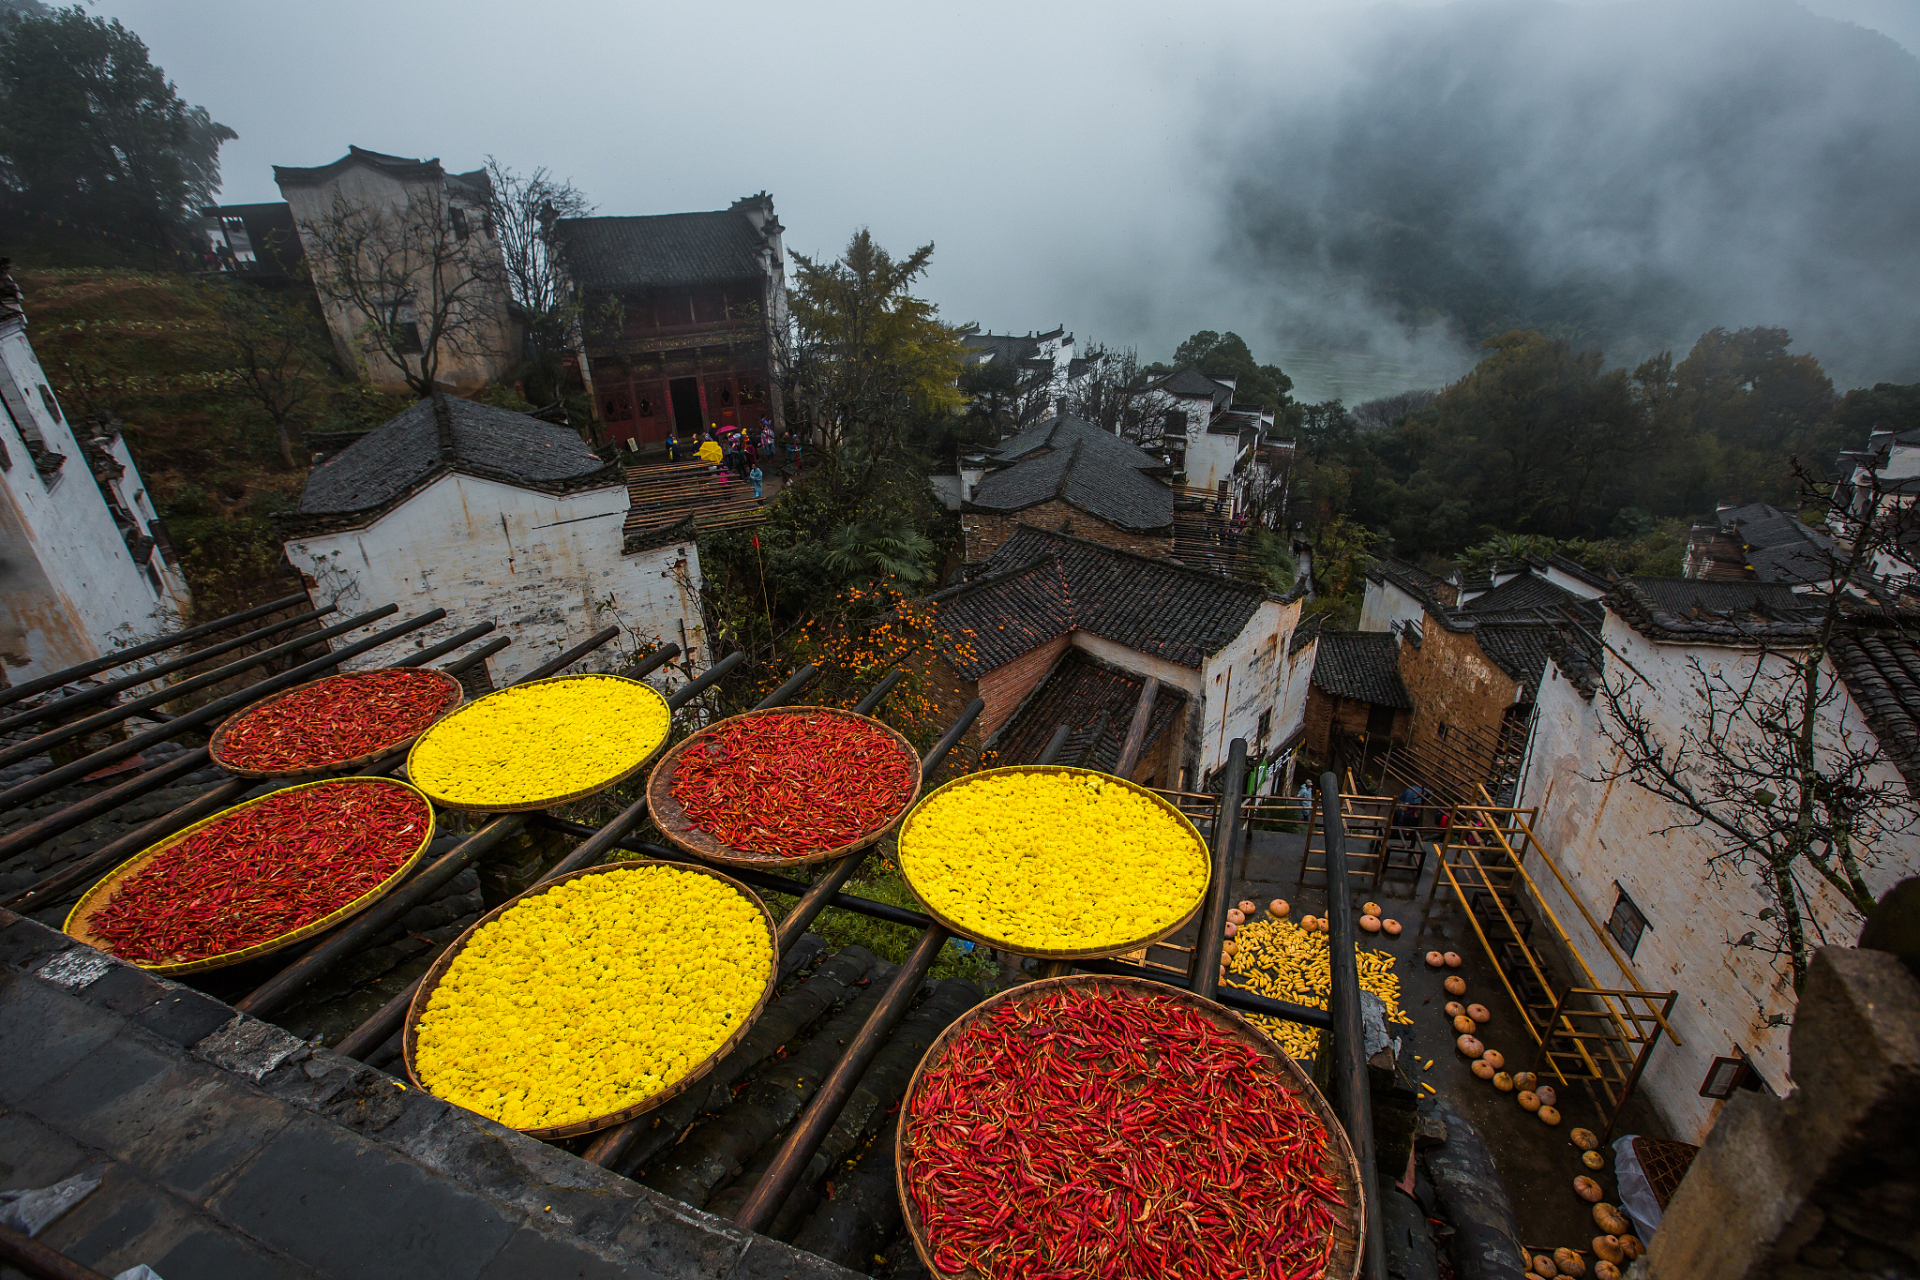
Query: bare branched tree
x=1003, y=397
x=274, y=345
x=1762, y=762
x=522, y=211
x=423, y=279
x=1114, y=393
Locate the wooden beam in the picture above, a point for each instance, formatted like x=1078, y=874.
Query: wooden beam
x=1136, y=737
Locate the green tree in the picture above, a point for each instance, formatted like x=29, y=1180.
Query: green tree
x=91, y=129
x=1886, y=406
x=1536, y=437
x=1760, y=404
x=869, y=361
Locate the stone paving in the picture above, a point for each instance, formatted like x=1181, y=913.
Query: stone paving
x=230, y=1148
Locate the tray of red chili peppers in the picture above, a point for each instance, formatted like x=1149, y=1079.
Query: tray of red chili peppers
x=257, y=877
x=334, y=724
x=1117, y=1127
x=787, y=785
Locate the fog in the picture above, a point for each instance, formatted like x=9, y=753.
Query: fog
x=1360, y=192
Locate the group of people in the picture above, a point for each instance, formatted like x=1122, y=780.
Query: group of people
x=734, y=452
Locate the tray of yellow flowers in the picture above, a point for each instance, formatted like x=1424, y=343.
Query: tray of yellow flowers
x=1052, y=861
x=592, y=998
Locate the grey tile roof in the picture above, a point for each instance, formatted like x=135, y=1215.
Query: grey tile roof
x=1574, y=569
x=1882, y=672
x=1150, y=606
x=1527, y=594
x=1522, y=649
x=1361, y=665
x=1708, y=612
x=1779, y=547
x=385, y=465
x=1096, y=702
x=1191, y=382
x=401, y=168
x=1088, y=477
x=1413, y=580
x=1062, y=431
x=662, y=250
x=1306, y=633
x=1000, y=346
x=995, y=618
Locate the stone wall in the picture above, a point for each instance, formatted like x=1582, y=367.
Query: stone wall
x=1455, y=685
x=986, y=530
x=1822, y=1183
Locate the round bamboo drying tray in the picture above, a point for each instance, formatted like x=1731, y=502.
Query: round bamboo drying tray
x=671, y=817
x=79, y=921
x=410, y=1033
x=1343, y=1264
x=546, y=802
x=454, y=693
x=1089, y=953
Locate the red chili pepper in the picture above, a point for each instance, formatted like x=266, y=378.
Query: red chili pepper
x=340, y=718
x=793, y=784
x=1115, y=1135
x=264, y=871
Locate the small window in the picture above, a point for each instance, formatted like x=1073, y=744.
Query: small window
x=1441, y=732
x=406, y=331
x=460, y=227
x=1626, y=924
x=53, y=405
x=1266, y=723
x=1379, y=722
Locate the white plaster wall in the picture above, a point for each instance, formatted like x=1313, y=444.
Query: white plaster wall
x=466, y=363
x=546, y=570
x=1603, y=832
x=1387, y=607
x=132, y=490
x=1578, y=586
x=1210, y=457
x=1290, y=708
x=1243, y=680
x=947, y=488
x=69, y=588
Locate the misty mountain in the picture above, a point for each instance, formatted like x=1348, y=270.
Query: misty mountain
x=1622, y=175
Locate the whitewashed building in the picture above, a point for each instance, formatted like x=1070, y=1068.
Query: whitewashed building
x=1640, y=868
x=403, y=193
x=1047, y=358
x=82, y=568
x=1225, y=448
x=493, y=516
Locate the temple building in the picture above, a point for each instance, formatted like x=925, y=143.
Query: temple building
x=680, y=315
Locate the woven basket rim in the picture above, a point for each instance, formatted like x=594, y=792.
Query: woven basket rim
x=670, y=817
x=97, y=897
x=1349, y=1235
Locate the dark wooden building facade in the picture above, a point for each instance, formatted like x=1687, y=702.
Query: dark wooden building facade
x=680, y=315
